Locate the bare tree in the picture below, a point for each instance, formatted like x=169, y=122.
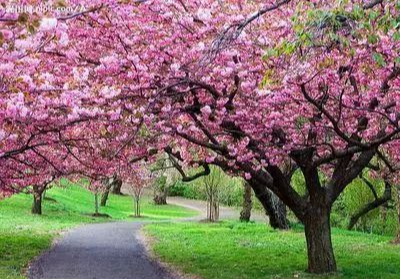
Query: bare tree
x=212, y=186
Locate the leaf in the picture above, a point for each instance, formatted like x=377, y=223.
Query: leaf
x=373, y=39
x=396, y=36
x=379, y=59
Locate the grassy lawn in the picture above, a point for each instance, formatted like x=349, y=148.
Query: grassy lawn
x=23, y=236
x=231, y=250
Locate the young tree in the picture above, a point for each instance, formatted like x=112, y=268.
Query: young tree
x=212, y=184
x=137, y=178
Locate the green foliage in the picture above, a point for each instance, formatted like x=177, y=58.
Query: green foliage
x=355, y=196
x=160, y=182
x=237, y=250
x=23, y=235
x=231, y=191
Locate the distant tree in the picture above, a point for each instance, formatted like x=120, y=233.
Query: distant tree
x=167, y=176
x=110, y=184
x=245, y=214
x=137, y=181
x=212, y=187
x=116, y=187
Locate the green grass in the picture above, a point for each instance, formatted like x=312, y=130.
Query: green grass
x=23, y=235
x=231, y=250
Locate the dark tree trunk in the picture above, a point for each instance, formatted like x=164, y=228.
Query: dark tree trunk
x=274, y=208
x=160, y=195
x=104, y=196
x=397, y=240
x=37, y=199
x=278, y=215
x=319, y=243
x=37, y=204
x=116, y=190
x=96, y=203
x=245, y=214
x=160, y=199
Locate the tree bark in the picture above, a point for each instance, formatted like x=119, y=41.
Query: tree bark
x=274, y=208
x=37, y=199
x=317, y=227
x=160, y=199
x=37, y=204
x=160, y=195
x=117, y=186
x=245, y=214
x=136, y=204
x=104, y=196
x=397, y=240
x=96, y=203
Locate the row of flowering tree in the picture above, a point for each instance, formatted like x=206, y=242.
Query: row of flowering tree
x=258, y=88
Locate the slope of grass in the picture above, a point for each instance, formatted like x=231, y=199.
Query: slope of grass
x=23, y=235
x=235, y=250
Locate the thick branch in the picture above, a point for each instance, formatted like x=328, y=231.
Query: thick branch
x=387, y=195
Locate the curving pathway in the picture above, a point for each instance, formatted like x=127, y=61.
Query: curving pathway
x=98, y=251
x=108, y=251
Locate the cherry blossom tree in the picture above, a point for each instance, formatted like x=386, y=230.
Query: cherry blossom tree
x=258, y=88
x=137, y=180
x=320, y=100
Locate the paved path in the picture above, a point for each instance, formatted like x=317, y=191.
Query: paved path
x=110, y=250
x=98, y=251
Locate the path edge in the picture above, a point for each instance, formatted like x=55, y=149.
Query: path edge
x=147, y=241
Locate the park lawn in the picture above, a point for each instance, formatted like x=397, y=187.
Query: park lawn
x=24, y=236
x=233, y=250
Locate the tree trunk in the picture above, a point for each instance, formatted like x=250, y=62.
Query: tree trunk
x=274, y=207
x=104, y=196
x=321, y=258
x=245, y=214
x=37, y=204
x=160, y=194
x=117, y=186
x=96, y=203
x=212, y=209
x=160, y=199
x=136, y=202
x=397, y=240
x=37, y=199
